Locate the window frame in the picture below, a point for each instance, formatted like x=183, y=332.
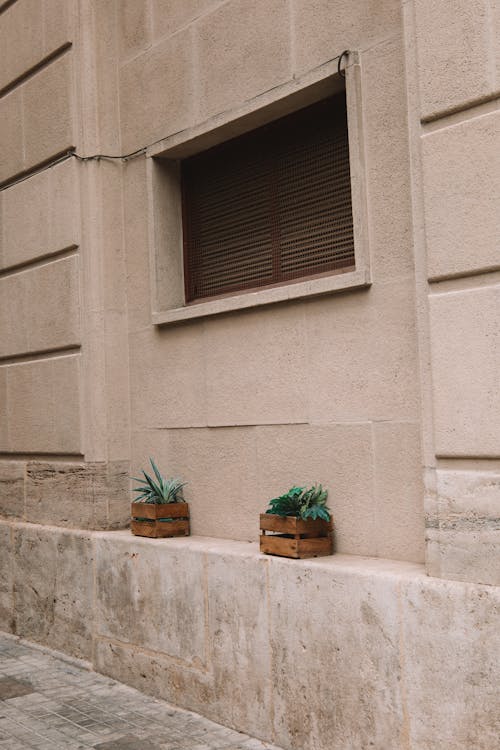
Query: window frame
x=168, y=304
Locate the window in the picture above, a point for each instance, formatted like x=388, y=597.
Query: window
x=262, y=203
x=270, y=207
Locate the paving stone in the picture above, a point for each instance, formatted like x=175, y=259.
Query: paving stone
x=51, y=704
x=12, y=688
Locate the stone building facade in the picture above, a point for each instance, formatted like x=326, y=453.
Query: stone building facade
x=382, y=383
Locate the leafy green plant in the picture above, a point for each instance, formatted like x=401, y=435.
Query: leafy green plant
x=301, y=503
x=160, y=491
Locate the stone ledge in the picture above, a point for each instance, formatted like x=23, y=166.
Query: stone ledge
x=368, y=649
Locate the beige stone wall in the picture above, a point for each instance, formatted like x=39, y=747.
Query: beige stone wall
x=57, y=421
x=244, y=403
x=453, y=59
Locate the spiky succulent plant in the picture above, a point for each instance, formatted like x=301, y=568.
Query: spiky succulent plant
x=301, y=503
x=160, y=491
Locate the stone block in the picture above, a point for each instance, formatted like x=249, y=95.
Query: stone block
x=220, y=466
x=6, y=579
x=253, y=53
x=48, y=112
x=4, y=432
x=156, y=674
x=324, y=28
x=451, y=639
x=453, y=53
x=241, y=620
x=39, y=308
x=257, y=367
x=461, y=168
x=174, y=358
x=399, y=491
x=40, y=216
x=11, y=134
x=362, y=355
x=20, y=39
x=135, y=26
x=64, y=206
x=43, y=406
x=135, y=207
x=12, y=477
x=25, y=220
x=53, y=588
x=59, y=23
x=340, y=457
x=387, y=161
x=349, y=676
x=465, y=365
x=13, y=300
x=85, y=495
x=463, y=530
x=53, y=305
x=162, y=77
x=136, y=575
x=171, y=15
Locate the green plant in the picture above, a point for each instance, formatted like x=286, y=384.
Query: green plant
x=301, y=503
x=160, y=491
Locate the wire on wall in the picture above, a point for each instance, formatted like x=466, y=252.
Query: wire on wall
x=123, y=157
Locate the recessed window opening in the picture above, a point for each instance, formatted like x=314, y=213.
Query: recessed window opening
x=270, y=207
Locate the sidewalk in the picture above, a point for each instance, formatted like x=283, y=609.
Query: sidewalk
x=48, y=703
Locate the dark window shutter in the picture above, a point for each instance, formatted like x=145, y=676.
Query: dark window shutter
x=271, y=206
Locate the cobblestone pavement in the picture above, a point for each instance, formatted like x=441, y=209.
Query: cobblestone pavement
x=49, y=703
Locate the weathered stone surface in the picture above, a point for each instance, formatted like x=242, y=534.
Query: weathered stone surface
x=86, y=495
x=454, y=45
x=242, y=668
x=258, y=32
x=339, y=651
x=53, y=588
x=399, y=491
x=463, y=526
x=461, y=170
x=135, y=576
x=43, y=405
x=250, y=379
x=6, y=579
x=21, y=42
x=465, y=341
x=134, y=27
x=12, y=475
x=48, y=300
x=316, y=652
x=163, y=77
x=362, y=355
x=450, y=642
x=4, y=434
x=11, y=133
x=385, y=135
x=324, y=28
x=171, y=15
x=48, y=112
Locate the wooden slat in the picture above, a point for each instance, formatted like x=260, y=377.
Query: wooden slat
x=160, y=529
x=292, y=525
x=160, y=510
x=296, y=548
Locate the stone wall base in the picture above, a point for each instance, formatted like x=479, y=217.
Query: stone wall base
x=343, y=652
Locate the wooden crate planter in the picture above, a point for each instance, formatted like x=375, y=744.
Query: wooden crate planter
x=294, y=537
x=155, y=526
